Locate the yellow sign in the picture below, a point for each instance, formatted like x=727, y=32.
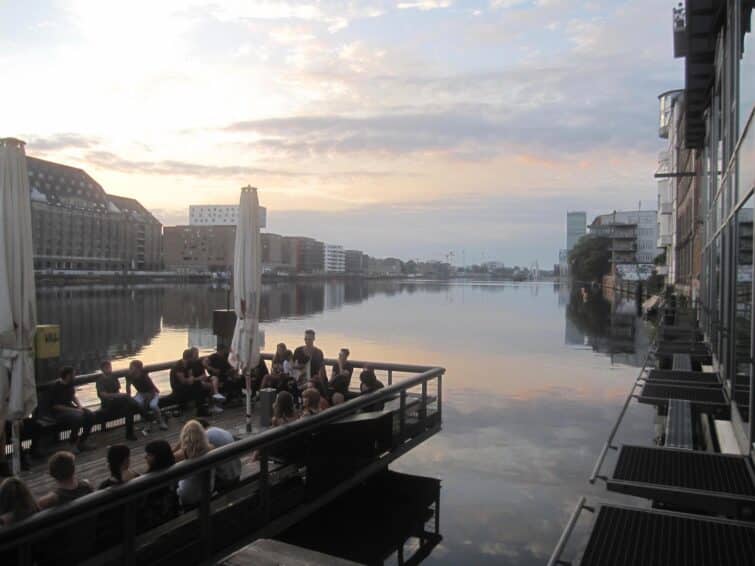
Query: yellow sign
x=47, y=341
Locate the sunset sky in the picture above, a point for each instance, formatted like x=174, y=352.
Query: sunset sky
x=408, y=128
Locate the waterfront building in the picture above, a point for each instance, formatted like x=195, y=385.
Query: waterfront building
x=199, y=248
x=308, y=254
x=219, y=215
x=633, y=235
x=77, y=226
x=334, y=259
x=669, y=128
x=715, y=40
x=576, y=227
x=384, y=267
x=277, y=253
x=355, y=262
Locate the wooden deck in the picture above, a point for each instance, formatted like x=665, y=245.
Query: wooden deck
x=266, y=552
x=92, y=465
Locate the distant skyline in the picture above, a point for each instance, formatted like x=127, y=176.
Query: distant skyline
x=406, y=128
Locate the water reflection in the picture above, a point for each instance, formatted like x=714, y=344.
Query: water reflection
x=535, y=378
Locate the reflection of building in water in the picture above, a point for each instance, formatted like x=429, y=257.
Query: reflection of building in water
x=573, y=336
x=101, y=323
x=609, y=328
x=335, y=295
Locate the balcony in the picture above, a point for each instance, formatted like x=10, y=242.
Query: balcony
x=664, y=240
x=666, y=207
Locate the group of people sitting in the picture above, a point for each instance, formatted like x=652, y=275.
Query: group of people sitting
x=303, y=389
x=197, y=438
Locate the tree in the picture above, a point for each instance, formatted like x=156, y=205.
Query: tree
x=590, y=258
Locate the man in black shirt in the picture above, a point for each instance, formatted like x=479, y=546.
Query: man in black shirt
x=69, y=412
x=188, y=388
x=309, y=359
x=114, y=403
x=230, y=383
x=340, y=378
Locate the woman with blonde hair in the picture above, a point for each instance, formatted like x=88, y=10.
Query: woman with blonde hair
x=16, y=502
x=193, y=444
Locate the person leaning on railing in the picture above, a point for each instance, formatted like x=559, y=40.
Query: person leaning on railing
x=114, y=402
x=147, y=395
x=68, y=411
x=16, y=502
x=62, y=468
x=186, y=387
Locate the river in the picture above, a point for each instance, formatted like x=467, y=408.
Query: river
x=535, y=379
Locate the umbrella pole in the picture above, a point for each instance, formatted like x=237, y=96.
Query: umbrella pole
x=16, y=447
x=248, y=403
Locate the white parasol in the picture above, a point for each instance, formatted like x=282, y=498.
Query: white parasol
x=18, y=306
x=247, y=283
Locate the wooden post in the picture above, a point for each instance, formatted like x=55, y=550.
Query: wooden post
x=129, y=533
x=205, y=520
x=402, y=416
x=390, y=377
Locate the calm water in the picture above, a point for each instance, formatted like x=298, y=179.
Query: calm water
x=534, y=382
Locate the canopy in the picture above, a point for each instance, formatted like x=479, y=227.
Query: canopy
x=247, y=283
x=18, y=307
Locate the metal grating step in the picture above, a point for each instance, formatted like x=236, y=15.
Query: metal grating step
x=705, y=471
x=694, y=378
x=711, y=398
x=625, y=536
x=679, y=424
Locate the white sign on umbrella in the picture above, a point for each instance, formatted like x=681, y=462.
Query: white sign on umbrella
x=18, y=303
x=247, y=286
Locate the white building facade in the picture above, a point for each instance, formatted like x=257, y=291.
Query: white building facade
x=219, y=215
x=670, y=105
x=335, y=259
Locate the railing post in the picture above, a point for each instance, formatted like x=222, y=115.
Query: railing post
x=129, y=415
x=129, y=533
x=390, y=377
x=423, y=406
x=440, y=399
x=264, y=484
x=402, y=416
x=205, y=520
x=25, y=555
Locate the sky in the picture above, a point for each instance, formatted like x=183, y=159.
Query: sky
x=406, y=128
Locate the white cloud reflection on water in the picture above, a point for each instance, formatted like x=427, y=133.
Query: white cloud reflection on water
x=524, y=414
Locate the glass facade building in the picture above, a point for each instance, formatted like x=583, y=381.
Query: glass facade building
x=719, y=101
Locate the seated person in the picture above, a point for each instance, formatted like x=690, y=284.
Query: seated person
x=340, y=378
x=369, y=384
x=147, y=395
x=187, y=388
x=322, y=390
x=118, y=462
x=16, y=502
x=310, y=402
x=218, y=366
x=112, y=400
x=284, y=358
x=283, y=409
x=162, y=504
x=193, y=444
x=198, y=370
x=228, y=473
x=258, y=374
x=62, y=468
x=68, y=411
x=337, y=399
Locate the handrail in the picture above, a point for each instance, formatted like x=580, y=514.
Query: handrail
x=87, y=378
x=555, y=558
x=96, y=502
x=604, y=451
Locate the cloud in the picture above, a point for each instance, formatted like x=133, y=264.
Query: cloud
x=58, y=142
x=424, y=5
x=114, y=162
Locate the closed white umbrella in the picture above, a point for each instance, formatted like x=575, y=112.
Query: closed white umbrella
x=247, y=286
x=18, y=306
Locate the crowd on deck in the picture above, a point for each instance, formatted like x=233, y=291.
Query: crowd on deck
x=303, y=388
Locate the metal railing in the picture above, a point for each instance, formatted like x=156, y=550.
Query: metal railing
x=22, y=537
